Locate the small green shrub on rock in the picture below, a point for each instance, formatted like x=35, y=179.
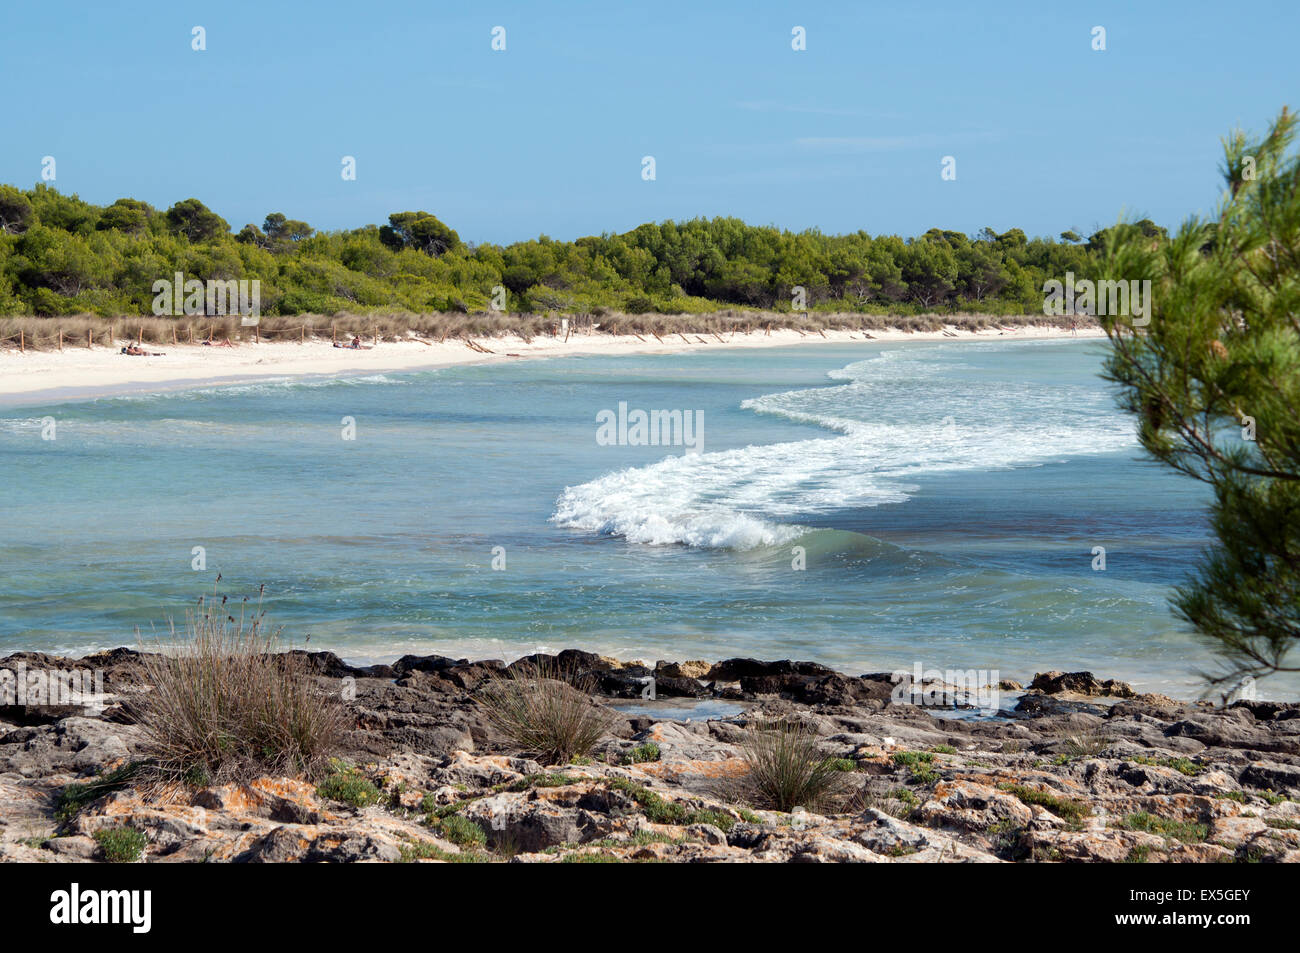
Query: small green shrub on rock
x=1187, y=831
x=1063, y=807
x=77, y=795
x=642, y=753
x=462, y=832
x=349, y=786
x=121, y=845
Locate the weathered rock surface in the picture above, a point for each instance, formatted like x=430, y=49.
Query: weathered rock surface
x=1072, y=775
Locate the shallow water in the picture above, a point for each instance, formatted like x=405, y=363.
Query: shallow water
x=946, y=498
x=681, y=710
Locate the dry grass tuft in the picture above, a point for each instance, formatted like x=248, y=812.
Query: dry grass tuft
x=225, y=706
x=787, y=768
x=546, y=710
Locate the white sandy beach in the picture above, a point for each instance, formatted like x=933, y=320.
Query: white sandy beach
x=84, y=372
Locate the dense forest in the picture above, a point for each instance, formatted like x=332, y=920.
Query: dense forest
x=60, y=255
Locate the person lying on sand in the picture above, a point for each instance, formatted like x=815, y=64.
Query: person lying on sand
x=226, y=343
x=138, y=351
x=356, y=345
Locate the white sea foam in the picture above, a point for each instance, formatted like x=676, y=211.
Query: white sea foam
x=258, y=387
x=899, y=416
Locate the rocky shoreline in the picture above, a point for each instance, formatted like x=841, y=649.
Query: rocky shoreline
x=1080, y=770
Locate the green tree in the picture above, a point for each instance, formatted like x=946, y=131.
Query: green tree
x=15, y=210
x=250, y=234
x=195, y=221
x=1214, y=380
x=67, y=212
x=282, y=230
x=416, y=262
x=979, y=271
x=126, y=215
x=418, y=230
x=930, y=271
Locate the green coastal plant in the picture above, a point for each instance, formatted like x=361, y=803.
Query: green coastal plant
x=462, y=832
x=347, y=785
x=1182, y=765
x=1189, y=832
x=414, y=850
x=659, y=810
x=1067, y=808
x=919, y=763
x=121, y=845
x=75, y=796
x=642, y=753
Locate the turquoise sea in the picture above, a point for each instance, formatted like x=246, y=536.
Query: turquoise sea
x=944, y=501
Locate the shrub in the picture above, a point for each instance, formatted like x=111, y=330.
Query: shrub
x=1187, y=831
x=462, y=831
x=1182, y=765
x=349, y=786
x=920, y=763
x=719, y=819
x=590, y=857
x=786, y=767
x=77, y=795
x=225, y=706
x=545, y=710
x=649, y=751
x=121, y=845
x=657, y=810
x=1060, y=806
x=424, y=850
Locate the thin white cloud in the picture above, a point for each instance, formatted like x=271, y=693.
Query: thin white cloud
x=856, y=144
x=863, y=143
x=772, y=106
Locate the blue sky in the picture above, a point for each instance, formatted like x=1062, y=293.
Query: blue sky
x=548, y=136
